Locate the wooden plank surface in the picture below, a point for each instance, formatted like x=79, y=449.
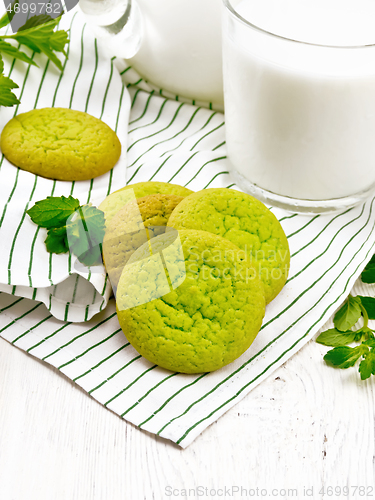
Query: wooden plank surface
x=307, y=426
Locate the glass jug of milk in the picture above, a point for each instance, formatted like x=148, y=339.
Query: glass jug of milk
x=174, y=44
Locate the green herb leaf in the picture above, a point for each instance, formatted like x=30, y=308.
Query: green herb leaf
x=1, y=65
x=59, y=40
x=8, y=16
x=53, y=211
x=92, y=257
x=367, y=365
x=368, y=274
x=365, y=332
x=35, y=21
x=42, y=38
x=7, y=48
x=7, y=98
x=348, y=315
x=85, y=230
x=344, y=357
x=335, y=338
x=370, y=342
x=369, y=304
x=38, y=34
x=4, y=21
x=56, y=241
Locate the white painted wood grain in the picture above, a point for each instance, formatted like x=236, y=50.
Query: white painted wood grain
x=306, y=426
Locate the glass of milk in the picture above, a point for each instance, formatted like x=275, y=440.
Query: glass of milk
x=299, y=94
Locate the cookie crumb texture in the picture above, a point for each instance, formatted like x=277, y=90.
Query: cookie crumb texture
x=247, y=223
x=126, y=232
x=60, y=143
x=206, y=322
x=116, y=200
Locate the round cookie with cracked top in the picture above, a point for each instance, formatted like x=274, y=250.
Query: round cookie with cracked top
x=116, y=200
x=247, y=223
x=198, y=316
x=127, y=229
x=60, y=143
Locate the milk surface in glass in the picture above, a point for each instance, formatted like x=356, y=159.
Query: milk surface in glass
x=300, y=118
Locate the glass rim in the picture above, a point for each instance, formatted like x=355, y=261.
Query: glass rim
x=228, y=5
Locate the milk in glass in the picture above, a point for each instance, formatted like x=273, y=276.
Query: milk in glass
x=300, y=118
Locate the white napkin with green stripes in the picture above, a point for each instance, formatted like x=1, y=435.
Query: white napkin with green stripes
x=178, y=142
x=91, y=83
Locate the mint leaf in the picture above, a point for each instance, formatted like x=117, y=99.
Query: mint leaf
x=53, y=211
x=8, y=16
x=370, y=342
x=368, y=274
x=4, y=21
x=71, y=227
x=7, y=98
x=369, y=304
x=59, y=40
x=85, y=231
x=335, y=338
x=344, y=357
x=367, y=365
x=92, y=257
x=10, y=50
x=348, y=315
x=56, y=241
x=35, y=21
x=366, y=332
x=42, y=38
x=38, y=34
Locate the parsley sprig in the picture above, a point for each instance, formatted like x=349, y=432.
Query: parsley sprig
x=37, y=34
x=71, y=227
x=342, y=355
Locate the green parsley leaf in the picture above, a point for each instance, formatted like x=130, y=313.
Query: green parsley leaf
x=335, y=338
x=7, y=98
x=348, y=315
x=344, y=357
x=53, y=211
x=369, y=304
x=368, y=274
x=56, y=241
x=85, y=230
x=10, y=50
x=1, y=65
x=367, y=365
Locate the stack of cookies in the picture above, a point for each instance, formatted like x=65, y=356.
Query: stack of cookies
x=192, y=272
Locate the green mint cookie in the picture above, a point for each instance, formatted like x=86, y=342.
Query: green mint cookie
x=244, y=221
x=116, y=200
x=188, y=303
x=60, y=143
